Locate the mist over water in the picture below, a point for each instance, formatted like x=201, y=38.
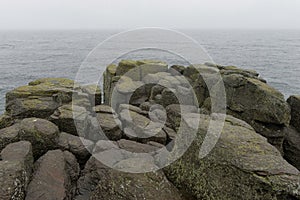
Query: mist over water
x=29, y=55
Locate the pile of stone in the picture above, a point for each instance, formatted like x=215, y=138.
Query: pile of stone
x=58, y=140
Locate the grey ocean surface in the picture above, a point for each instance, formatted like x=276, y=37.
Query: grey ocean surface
x=29, y=55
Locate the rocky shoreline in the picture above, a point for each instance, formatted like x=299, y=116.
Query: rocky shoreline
x=55, y=133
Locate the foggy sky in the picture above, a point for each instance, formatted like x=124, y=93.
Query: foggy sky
x=124, y=14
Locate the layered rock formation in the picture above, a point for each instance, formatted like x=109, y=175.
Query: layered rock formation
x=59, y=141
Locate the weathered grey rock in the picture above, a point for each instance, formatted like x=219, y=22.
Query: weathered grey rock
x=132, y=108
x=291, y=147
x=146, y=105
x=42, y=134
x=71, y=119
x=151, y=67
x=156, y=90
x=94, y=93
x=15, y=170
x=100, y=182
x=254, y=100
x=5, y=121
x=108, y=82
x=110, y=125
x=135, y=186
x=253, y=168
x=83, y=100
x=176, y=69
x=135, y=71
x=126, y=90
x=54, y=178
x=103, y=145
x=130, y=68
x=40, y=107
x=134, y=120
x=174, y=113
x=40, y=98
x=135, y=147
x=260, y=105
x=168, y=97
x=103, y=109
x=294, y=102
x=78, y=146
x=9, y=135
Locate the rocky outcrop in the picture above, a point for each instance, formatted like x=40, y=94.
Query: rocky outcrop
x=16, y=166
x=55, y=177
x=242, y=165
x=248, y=96
x=85, y=150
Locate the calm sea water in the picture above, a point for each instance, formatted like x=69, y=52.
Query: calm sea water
x=28, y=55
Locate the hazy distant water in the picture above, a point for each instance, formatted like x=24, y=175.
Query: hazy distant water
x=28, y=55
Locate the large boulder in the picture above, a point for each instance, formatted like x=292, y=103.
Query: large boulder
x=248, y=98
x=118, y=185
x=294, y=102
x=260, y=105
x=291, y=147
x=55, y=177
x=254, y=100
x=242, y=165
x=123, y=153
x=15, y=170
x=40, y=98
x=42, y=134
x=101, y=182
